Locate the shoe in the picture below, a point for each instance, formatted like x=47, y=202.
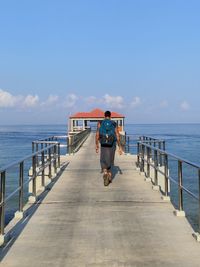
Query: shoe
x=106, y=179
x=110, y=177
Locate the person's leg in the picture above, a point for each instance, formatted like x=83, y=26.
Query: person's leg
x=112, y=157
x=104, y=157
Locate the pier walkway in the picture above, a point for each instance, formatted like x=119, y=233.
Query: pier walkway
x=84, y=224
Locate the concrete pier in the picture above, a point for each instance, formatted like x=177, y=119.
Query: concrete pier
x=81, y=223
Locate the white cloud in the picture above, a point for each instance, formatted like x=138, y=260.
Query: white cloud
x=71, y=100
x=164, y=104
x=7, y=99
x=114, y=101
x=136, y=102
x=185, y=106
x=52, y=99
x=31, y=101
x=91, y=99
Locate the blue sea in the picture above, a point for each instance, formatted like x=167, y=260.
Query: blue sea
x=181, y=139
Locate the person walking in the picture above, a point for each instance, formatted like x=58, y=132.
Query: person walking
x=107, y=135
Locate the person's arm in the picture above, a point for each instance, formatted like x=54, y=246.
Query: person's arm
x=118, y=140
x=97, y=138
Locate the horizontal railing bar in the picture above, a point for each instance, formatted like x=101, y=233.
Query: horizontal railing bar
x=44, y=142
x=150, y=137
x=152, y=141
x=61, y=136
x=28, y=181
x=174, y=181
x=190, y=193
x=164, y=152
x=44, y=139
x=25, y=158
x=12, y=194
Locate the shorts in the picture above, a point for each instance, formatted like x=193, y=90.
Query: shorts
x=107, y=157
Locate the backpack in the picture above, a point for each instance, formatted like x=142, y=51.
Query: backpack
x=107, y=133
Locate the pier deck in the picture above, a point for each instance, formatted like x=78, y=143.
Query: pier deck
x=82, y=223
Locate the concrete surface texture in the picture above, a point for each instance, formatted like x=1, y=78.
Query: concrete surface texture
x=82, y=223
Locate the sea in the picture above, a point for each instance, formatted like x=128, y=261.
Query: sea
x=182, y=140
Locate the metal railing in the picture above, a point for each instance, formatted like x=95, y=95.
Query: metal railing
x=130, y=141
x=156, y=143
x=43, y=164
x=150, y=155
x=47, y=157
x=72, y=142
x=75, y=141
x=41, y=143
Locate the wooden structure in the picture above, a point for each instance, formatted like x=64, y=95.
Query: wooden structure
x=79, y=121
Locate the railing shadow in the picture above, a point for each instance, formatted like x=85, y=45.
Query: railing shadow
x=15, y=232
x=116, y=170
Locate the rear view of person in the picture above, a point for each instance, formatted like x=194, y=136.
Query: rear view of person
x=107, y=135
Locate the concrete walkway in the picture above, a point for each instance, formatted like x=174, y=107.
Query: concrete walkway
x=82, y=223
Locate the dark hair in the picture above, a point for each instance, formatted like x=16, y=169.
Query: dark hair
x=107, y=114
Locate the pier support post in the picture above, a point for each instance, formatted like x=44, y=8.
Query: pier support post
x=2, y=239
x=179, y=213
x=32, y=199
x=19, y=215
x=196, y=236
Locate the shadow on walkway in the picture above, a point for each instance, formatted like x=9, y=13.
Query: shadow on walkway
x=14, y=233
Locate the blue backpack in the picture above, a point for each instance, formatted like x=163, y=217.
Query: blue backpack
x=107, y=133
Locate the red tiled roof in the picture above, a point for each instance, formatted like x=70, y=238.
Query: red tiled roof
x=95, y=113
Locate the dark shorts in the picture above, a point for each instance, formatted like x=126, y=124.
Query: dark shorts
x=107, y=157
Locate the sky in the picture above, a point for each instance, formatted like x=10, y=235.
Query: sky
x=140, y=58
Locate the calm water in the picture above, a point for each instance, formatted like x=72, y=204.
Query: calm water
x=181, y=139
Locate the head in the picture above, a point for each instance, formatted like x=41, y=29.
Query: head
x=107, y=114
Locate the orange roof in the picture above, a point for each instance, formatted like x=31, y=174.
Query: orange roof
x=95, y=113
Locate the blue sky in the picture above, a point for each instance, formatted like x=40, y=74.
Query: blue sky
x=138, y=57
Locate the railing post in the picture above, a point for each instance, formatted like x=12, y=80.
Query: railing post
x=2, y=207
x=180, y=183
x=142, y=160
x=34, y=165
x=70, y=144
x=21, y=186
x=150, y=152
x=37, y=160
x=54, y=159
x=180, y=212
x=50, y=173
x=148, y=162
x=163, y=145
x=155, y=167
x=43, y=170
x=166, y=175
x=138, y=154
x=160, y=155
x=33, y=147
x=58, y=155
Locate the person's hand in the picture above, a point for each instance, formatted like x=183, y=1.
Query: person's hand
x=97, y=149
x=120, y=151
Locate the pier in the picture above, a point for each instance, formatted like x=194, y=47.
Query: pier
x=78, y=222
